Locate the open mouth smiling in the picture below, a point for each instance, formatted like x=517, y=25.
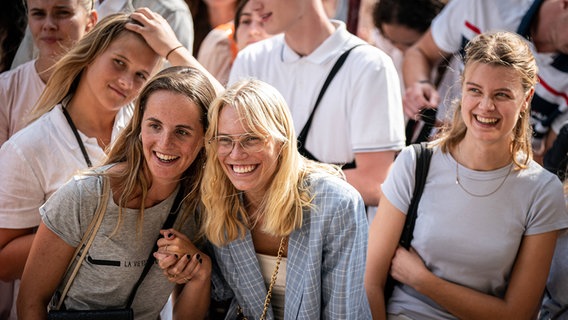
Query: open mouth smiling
x=164, y=157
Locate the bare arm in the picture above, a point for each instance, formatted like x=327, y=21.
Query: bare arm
x=384, y=234
x=419, y=61
x=524, y=291
x=162, y=39
x=372, y=169
x=47, y=262
x=14, y=249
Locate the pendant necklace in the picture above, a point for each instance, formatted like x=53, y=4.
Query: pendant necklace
x=459, y=183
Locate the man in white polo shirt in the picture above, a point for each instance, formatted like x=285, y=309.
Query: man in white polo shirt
x=359, y=120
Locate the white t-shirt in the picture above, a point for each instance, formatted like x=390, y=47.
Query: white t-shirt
x=19, y=90
x=37, y=160
x=461, y=20
x=361, y=110
x=472, y=241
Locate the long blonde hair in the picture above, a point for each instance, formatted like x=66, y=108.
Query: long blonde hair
x=135, y=179
x=69, y=69
x=499, y=49
x=264, y=111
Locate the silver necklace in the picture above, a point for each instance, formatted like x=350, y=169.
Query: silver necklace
x=476, y=194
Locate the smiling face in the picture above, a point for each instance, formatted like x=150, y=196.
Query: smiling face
x=251, y=172
x=172, y=135
x=117, y=75
x=250, y=28
x=492, y=99
x=57, y=24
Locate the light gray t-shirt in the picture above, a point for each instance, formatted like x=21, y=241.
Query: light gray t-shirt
x=113, y=264
x=472, y=241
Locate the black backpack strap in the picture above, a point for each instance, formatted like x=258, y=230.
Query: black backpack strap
x=423, y=157
x=150, y=262
x=302, y=137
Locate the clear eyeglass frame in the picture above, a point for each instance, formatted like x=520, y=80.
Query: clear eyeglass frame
x=249, y=142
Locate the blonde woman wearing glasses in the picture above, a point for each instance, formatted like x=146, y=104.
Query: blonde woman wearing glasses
x=277, y=220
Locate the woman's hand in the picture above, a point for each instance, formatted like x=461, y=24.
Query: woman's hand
x=155, y=30
x=407, y=267
x=180, y=259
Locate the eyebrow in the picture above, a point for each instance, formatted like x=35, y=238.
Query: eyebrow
x=184, y=126
x=498, y=89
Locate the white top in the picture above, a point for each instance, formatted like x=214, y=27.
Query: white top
x=267, y=264
x=19, y=90
x=361, y=110
x=461, y=20
x=471, y=241
x=38, y=160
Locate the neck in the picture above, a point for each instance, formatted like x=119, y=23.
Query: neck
x=481, y=157
x=221, y=14
x=44, y=67
x=309, y=33
x=90, y=120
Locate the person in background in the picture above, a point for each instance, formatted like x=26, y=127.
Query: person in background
x=175, y=12
x=542, y=22
x=159, y=155
x=486, y=257
x=55, y=28
x=220, y=47
x=555, y=301
x=207, y=15
x=366, y=90
x=86, y=103
x=398, y=25
x=275, y=219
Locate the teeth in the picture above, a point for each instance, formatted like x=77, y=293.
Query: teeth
x=243, y=169
x=486, y=120
x=165, y=157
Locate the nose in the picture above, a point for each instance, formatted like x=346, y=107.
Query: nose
x=126, y=82
x=166, y=139
x=49, y=23
x=486, y=103
x=237, y=151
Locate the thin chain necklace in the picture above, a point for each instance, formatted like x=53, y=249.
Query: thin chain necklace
x=240, y=314
x=459, y=183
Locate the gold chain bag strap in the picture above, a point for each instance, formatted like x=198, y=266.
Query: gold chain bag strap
x=86, y=241
x=240, y=314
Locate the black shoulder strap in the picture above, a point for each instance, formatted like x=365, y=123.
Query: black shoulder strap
x=304, y=133
x=150, y=262
x=423, y=157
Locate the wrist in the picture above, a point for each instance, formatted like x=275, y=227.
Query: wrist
x=172, y=50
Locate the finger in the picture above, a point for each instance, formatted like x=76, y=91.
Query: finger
x=165, y=261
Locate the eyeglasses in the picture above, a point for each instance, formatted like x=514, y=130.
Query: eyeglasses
x=249, y=142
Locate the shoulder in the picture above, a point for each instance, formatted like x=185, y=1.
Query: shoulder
x=41, y=129
x=262, y=48
x=325, y=186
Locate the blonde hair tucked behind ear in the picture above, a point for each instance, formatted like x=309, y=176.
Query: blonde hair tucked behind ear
x=264, y=111
x=68, y=70
x=508, y=50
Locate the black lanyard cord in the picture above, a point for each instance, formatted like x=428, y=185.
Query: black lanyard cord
x=76, y=133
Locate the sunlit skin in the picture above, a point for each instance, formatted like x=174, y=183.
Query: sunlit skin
x=251, y=28
x=400, y=36
x=492, y=99
x=56, y=25
x=172, y=136
x=250, y=172
x=279, y=16
x=116, y=76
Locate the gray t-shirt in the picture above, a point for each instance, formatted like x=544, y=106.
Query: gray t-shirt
x=472, y=241
x=113, y=264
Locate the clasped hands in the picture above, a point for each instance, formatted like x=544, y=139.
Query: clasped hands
x=180, y=260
